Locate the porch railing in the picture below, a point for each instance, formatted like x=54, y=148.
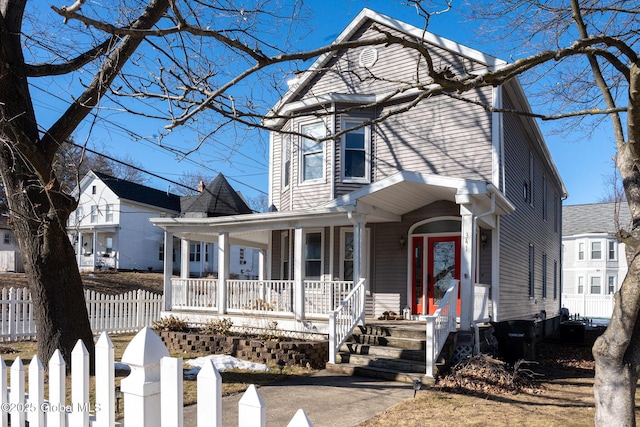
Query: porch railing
x=344, y=319
x=440, y=324
x=321, y=298
x=260, y=295
x=195, y=294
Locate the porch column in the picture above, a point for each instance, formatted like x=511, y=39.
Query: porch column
x=168, y=269
x=95, y=248
x=358, y=256
x=262, y=256
x=79, y=249
x=298, y=274
x=467, y=270
x=224, y=252
x=184, y=259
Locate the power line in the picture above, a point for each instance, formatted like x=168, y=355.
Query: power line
x=156, y=147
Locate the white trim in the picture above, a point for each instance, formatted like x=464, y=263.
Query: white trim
x=301, y=153
x=306, y=232
x=497, y=140
x=367, y=149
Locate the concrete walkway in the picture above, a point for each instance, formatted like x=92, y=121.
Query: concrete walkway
x=328, y=399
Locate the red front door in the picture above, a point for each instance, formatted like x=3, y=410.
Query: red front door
x=435, y=262
x=444, y=266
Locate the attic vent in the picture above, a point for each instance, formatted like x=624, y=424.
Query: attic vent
x=368, y=57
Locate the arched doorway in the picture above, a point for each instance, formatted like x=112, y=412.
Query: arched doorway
x=434, y=262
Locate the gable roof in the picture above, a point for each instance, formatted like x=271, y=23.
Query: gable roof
x=492, y=63
x=217, y=199
x=594, y=218
x=135, y=192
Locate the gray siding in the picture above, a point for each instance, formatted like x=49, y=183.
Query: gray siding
x=526, y=226
x=439, y=136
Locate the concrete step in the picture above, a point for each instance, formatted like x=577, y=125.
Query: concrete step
x=381, y=373
x=384, y=351
x=399, y=329
x=398, y=365
x=389, y=341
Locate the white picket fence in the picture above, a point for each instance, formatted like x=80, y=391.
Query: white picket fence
x=152, y=393
x=128, y=312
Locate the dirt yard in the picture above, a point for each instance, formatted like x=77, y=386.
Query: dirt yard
x=104, y=282
x=556, y=391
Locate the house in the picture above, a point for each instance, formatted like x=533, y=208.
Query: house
x=593, y=258
x=397, y=210
x=10, y=259
x=111, y=229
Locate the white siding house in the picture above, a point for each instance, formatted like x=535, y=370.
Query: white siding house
x=594, y=263
x=10, y=259
x=111, y=229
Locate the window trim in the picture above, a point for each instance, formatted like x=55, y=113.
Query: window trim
x=591, y=277
x=591, y=251
x=285, y=256
x=287, y=153
x=609, y=285
x=94, y=214
x=544, y=275
x=612, y=246
x=532, y=285
x=581, y=250
x=367, y=236
x=321, y=259
x=346, y=123
x=303, y=154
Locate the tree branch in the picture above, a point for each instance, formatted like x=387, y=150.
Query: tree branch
x=82, y=106
x=42, y=70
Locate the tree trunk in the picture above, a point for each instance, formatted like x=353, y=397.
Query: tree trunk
x=38, y=209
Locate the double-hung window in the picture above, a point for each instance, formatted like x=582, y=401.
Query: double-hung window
x=612, y=250
x=355, y=151
x=312, y=152
x=94, y=214
x=313, y=255
x=596, y=250
x=286, y=161
x=109, y=213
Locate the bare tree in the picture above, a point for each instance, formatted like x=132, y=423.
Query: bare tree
x=215, y=67
x=204, y=65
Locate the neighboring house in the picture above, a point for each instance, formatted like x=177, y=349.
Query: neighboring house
x=111, y=228
x=215, y=200
x=394, y=211
x=593, y=261
x=10, y=259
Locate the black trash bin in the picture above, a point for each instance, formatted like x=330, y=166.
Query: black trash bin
x=572, y=332
x=516, y=340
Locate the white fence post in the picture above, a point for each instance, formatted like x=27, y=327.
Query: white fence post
x=56, y=415
x=209, y=384
x=105, y=381
x=171, y=388
x=36, y=393
x=16, y=395
x=251, y=409
x=141, y=389
x=12, y=314
x=4, y=396
x=79, y=416
x=300, y=419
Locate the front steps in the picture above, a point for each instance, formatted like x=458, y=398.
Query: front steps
x=391, y=350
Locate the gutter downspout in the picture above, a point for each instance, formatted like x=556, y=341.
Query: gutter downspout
x=492, y=190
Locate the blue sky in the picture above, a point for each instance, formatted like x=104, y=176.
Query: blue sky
x=583, y=162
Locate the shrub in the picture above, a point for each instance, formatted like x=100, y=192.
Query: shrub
x=170, y=323
x=218, y=326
